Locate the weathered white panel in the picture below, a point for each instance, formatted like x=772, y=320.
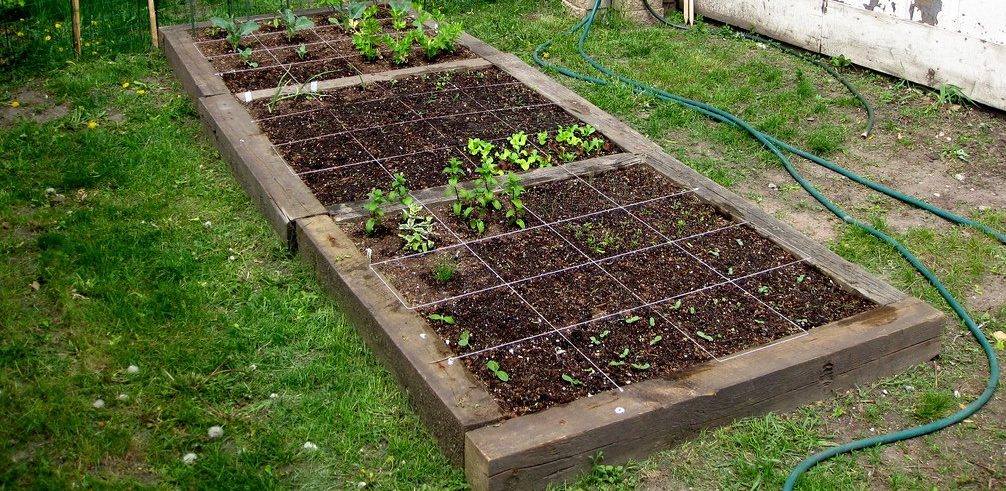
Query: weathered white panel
x=797, y=23
x=917, y=52
x=983, y=20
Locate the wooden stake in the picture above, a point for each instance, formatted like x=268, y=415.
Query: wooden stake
x=152, y=9
x=76, y=25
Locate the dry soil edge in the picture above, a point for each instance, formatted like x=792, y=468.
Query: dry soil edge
x=444, y=395
x=558, y=443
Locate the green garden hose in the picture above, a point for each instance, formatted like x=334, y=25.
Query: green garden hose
x=775, y=146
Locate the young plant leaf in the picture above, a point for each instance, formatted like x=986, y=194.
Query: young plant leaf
x=464, y=338
x=704, y=336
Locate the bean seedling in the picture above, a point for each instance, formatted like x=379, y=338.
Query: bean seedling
x=464, y=338
x=446, y=319
x=495, y=368
x=570, y=380
x=704, y=336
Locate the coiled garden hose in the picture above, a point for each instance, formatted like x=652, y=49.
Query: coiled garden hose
x=776, y=146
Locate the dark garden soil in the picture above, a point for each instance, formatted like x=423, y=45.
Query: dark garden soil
x=384, y=243
x=660, y=273
x=528, y=253
x=423, y=279
x=806, y=295
x=738, y=251
x=255, y=78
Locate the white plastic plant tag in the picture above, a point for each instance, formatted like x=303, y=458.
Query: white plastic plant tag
x=248, y=96
x=619, y=410
x=314, y=86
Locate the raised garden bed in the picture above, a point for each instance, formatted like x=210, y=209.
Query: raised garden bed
x=611, y=300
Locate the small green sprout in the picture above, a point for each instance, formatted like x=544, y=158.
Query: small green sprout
x=446, y=319
x=632, y=320
x=641, y=366
x=656, y=340
x=464, y=338
x=494, y=367
x=570, y=380
x=704, y=336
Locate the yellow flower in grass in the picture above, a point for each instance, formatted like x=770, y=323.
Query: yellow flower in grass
x=92, y=124
x=20, y=34
x=93, y=53
x=59, y=25
x=141, y=92
x=125, y=85
x=47, y=38
x=15, y=104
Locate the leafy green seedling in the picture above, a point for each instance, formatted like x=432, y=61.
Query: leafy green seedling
x=714, y=252
x=704, y=336
x=446, y=319
x=653, y=322
x=616, y=363
x=542, y=138
x=495, y=368
x=376, y=199
x=763, y=289
x=656, y=340
x=624, y=353
x=245, y=55
x=399, y=13
x=594, y=341
x=632, y=320
x=676, y=305
x=302, y=51
x=235, y=30
x=294, y=23
x=739, y=242
x=801, y=278
x=570, y=380
x=464, y=338
x=444, y=269
x=641, y=366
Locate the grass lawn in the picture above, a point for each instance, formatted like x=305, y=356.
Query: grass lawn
x=145, y=252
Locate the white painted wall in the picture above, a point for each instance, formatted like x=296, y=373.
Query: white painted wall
x=932, y=42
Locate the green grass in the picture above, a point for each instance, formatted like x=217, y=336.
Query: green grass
x=157, y=259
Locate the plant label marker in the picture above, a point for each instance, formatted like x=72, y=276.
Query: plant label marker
x=370, y=254
x=314, y=86
x=619, y=410
x=248, y=97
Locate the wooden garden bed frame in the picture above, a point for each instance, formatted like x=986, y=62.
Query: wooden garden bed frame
x=529, y=451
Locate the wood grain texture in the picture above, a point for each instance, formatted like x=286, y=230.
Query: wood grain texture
x=274, y=188
x=194, y=71
x=448, y=399
x=558, y=443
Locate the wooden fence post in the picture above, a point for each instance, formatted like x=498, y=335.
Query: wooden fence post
x=76, y=25
x=153, y=21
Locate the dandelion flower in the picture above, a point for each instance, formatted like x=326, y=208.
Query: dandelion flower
x=125, y=85
x=20, y=34
x=92, y=124
x=98, y=404
x=59, y=25
x=141, y=92
x=189, y=458
x=15, y=104
x=47, y=38
x=215, y=432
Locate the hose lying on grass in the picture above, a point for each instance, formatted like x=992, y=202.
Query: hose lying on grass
x=776, y=147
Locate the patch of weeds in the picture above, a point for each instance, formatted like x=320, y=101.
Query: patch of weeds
x=602, y=474
x=933, y=405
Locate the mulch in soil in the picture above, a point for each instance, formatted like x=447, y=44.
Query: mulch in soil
x=725, y=320
x=805, y=295
x=535, y=370
x=637, y=345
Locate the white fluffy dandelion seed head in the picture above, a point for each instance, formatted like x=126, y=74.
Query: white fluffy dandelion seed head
x=123, y=397
x=189, y=458
x=98, y=404
x=215, y=432
x=274, y=396
x=310, y=446
x=133, y=369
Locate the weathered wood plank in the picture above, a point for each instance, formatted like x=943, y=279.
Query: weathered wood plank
x=446, y=397
x=432, y=196
x=557, y=443
x=193, y=70
x=274, y=188
x=368, y=78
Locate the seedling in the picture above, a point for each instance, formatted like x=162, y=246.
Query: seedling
x=570, y=380
x=656, y=340
x=623, y=354
x=542, y=138
x=495, y=368
x=714, y=252
x=294, y=23
x=245, y=55
x=676, y=305
x=739, y=242
x=399, y=48
x=653, y=322
x=376, y=199
x=302, y=51
x=801, y=278
x=704, y=336
x=355, y=13
x=416, y=229
x=235, y=30
x=446, y=319
x=632, y=320
x=593, y=145
x=443, y=41
x=763, y=289
x=513, y=191
x=641, y=366
x=444, y=269
x=464, y=338
x=366, y=39
x=398, y=190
